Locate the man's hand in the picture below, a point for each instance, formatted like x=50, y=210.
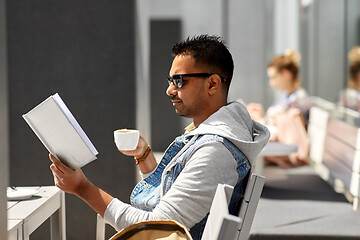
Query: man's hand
x=75, y=182
x=149, y=163
x=140, y=149
x=68, y=180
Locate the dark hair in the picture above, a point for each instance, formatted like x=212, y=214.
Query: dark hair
x=354, y=60
x=209, y=51
x=354, y=70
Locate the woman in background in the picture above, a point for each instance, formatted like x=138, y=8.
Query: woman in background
x=289, y=116
x=350, y=97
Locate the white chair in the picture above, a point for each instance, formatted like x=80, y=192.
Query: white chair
x=223, y=226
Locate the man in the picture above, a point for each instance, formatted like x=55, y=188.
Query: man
x=218, y=147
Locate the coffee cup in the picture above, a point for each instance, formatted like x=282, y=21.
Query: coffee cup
x=126, y=139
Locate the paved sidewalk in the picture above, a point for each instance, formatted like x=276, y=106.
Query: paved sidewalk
x=298, y=204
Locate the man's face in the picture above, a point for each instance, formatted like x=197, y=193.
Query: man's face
x=190, y=100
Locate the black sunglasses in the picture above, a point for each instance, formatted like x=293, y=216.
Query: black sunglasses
x=177, y=79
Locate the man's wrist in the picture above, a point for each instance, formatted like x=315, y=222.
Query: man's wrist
x=143, y=148
x=83, y=190
x=144, y=156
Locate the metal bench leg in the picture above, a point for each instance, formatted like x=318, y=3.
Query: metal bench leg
x=356, y=204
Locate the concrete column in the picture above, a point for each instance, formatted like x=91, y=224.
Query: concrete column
x=142, y=72
x=286, y=25
x=4, y=125
x=249, y=39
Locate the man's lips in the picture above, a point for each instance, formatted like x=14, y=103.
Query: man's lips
x=175, y=100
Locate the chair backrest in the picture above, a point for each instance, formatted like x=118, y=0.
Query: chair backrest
x=220, y=224
x=249, y=204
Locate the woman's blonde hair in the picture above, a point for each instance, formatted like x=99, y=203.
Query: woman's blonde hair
x=290, y=61
x=354, y=61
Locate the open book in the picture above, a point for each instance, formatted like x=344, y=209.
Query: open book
x=60, y=133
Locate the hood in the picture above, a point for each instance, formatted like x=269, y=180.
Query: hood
x=234, y=123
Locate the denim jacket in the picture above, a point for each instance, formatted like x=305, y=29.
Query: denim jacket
x=147, y=193
x=183, y=183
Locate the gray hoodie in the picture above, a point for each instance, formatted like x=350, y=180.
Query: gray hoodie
x=190, y=197
x=234, y=123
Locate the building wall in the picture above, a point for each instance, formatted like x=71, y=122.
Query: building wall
x=84, y=50
x=328, y=31
x=4, y=124
x=165, y=123
x=251, y=43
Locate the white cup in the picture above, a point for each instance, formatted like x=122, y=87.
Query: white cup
x=126, y=139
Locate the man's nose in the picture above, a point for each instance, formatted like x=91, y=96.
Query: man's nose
x=171, y=90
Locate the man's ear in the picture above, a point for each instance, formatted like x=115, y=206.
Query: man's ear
x=214, y=83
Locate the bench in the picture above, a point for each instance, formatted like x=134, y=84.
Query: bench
x=296, y=203
x=300, y=203
x=335, y=147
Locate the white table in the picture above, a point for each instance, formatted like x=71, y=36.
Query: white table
x=25, y=216
x=14, y=229
x=273, y=149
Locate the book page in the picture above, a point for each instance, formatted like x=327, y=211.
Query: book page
x=73, y=121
